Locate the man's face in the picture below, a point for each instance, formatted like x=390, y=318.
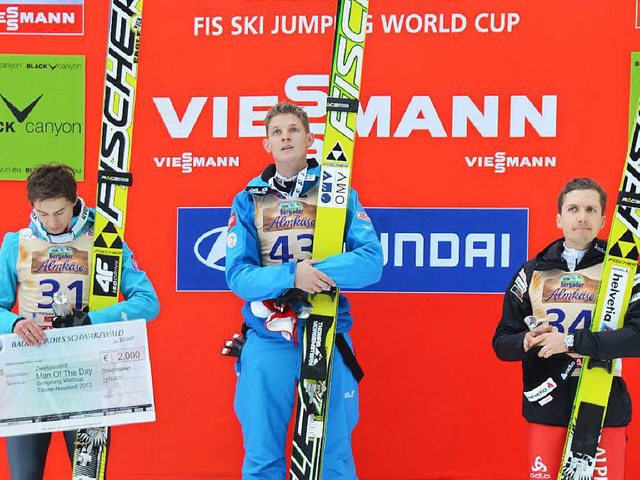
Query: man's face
x=581, y=218
x=54, y=213
x=288, y=142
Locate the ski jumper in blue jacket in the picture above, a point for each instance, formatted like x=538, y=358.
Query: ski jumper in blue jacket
x=34, y=265
x=270, y=230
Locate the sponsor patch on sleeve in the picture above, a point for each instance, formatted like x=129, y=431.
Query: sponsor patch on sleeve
x=232, y=220
x=232, y=240
x=362, y=215
x=134, y=262
x=519, y=286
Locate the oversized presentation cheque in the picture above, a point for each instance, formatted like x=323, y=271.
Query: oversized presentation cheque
x=82, y=377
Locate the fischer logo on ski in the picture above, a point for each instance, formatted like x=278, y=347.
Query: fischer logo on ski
x=121, y=76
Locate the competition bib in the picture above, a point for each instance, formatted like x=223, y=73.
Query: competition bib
x=567, y=299
x=44, y=269
x=285, y=227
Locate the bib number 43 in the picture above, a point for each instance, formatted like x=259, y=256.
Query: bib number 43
x=280, y=250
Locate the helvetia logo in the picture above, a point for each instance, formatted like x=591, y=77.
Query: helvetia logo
x=541, y=390
x=616, y=286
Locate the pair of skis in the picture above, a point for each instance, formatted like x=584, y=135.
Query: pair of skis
x=121, y=75
x=619, y=268
x=335, y=180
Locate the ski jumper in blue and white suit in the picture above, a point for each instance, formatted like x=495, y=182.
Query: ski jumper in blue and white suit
x=268, y=234
x=34, y=265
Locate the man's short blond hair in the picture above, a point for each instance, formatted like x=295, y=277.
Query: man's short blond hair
x=282, y=108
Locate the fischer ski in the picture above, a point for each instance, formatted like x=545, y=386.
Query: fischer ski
x=619, y=268
x=335, y=179
x=121, y=75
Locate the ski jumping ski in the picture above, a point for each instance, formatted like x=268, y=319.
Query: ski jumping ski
x=121, y=76
x=619, y=269
x=335, y=179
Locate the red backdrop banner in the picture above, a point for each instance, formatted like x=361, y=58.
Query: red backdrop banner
x=483, y=107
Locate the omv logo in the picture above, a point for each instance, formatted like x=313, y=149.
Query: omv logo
x=201, y=249
x=210, y=248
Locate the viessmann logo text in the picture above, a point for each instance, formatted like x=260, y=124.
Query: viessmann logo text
x=425, y=250
x=42, y=17
x=379, y=116
x=419, y=115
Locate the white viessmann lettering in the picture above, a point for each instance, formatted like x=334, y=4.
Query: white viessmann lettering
x=501, y=161
x=420, y=114
x=13, y=17
x=188, y=161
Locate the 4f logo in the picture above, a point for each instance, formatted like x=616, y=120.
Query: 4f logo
x=106, y=275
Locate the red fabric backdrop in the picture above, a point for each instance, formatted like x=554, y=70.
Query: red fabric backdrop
x=436, y=403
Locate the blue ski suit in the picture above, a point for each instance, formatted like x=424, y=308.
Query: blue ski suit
x=267, y=235
x=32, y=269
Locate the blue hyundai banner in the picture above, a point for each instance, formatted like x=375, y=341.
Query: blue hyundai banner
x=202, y=243
x=450, y=250
x=434, y=250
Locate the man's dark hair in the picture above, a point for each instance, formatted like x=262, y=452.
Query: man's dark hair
x=53, y=180
x=282, y=108
x=582, y=184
